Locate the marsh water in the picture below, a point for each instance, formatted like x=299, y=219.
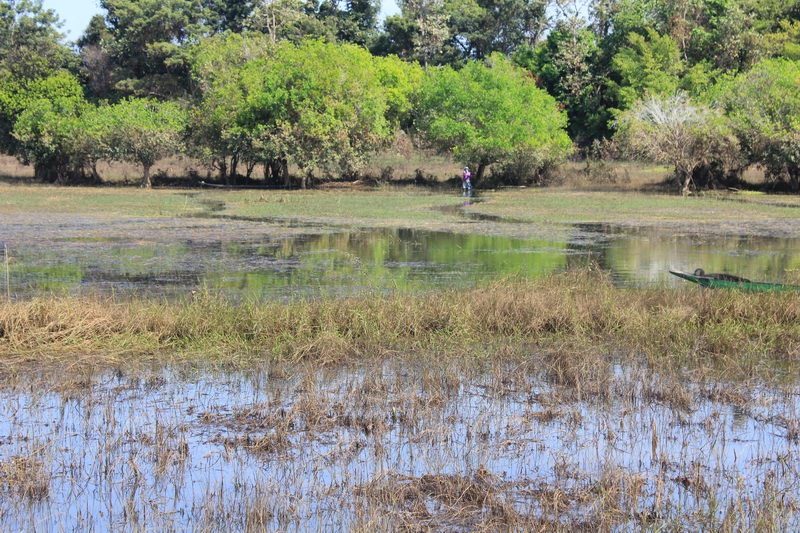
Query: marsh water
x=332, y=450
x=278, y=259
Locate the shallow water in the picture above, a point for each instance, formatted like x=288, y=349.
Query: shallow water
x=319, y=451
x=172, y=257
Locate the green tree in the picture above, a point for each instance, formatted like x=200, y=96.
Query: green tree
x=46, y=132
x=215, y=134
x=490, y=113
x=400, y=82
x=653, y=65
x=227, y=15
x=569, y=66
x=320, y=104
x=288, y=20
x=764, y=106
x=144, y=40
x=141, y=131
x=437, y=32
x=60, y=90
x=30, y=43
x=351, y=21
x=482, y=27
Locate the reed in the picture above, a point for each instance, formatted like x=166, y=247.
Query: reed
x=562, y=315
x=8, y=272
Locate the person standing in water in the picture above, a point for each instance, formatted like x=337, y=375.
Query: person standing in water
x=466, y=181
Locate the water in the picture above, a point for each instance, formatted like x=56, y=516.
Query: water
x=172, y=257
x=178, y=449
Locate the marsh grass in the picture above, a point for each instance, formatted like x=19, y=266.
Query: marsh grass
x=26, y=476
x=573, y=321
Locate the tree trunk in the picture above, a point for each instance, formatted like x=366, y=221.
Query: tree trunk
x=223, y=170
x=146, y=183
x=685, y=180
x=234, y=170
x=276, y=169
x=481, y=169
x=96, y=175
x=250, y=168
x=44, y=173
x=285, y=172
x=266, y=171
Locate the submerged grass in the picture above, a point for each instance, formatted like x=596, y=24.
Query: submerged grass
x=570, y=316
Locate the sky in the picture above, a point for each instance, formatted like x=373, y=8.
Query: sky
x=76, y=14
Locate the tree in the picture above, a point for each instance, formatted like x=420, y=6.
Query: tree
x=764, y=106
x=491, y=112
x=675, y=131
x=652, y=65
x=46, y=131
x=438, y=32
x=400, y=82
x=216, y=136
x=227, y=15
x=482, y=27
x=144, y=40
x=30, y=43
x=351, y=21
x=288, y=20
x=566, y=65
x=431, y=33
x=142, y=131
x=320, y=104
x=60, y=90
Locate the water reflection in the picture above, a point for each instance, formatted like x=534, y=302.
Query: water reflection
x=380, y=260
x=178, y=450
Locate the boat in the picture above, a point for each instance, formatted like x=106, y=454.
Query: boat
x=727, y=281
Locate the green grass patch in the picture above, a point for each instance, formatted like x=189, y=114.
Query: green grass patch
x=385, y=206
x=631, y=208
x=95, y=201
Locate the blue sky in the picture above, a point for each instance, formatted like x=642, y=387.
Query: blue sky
x=76, y=15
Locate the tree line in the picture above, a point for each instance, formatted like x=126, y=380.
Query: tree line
x=513, y=87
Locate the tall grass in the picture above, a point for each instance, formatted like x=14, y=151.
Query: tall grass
x=568, y=315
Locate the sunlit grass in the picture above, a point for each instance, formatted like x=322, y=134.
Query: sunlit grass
x=94, y=201
x=385, y=205
x=631, y=208
x=578, y=313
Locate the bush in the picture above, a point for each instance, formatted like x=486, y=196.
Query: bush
x=678, y=132
x=764, y=108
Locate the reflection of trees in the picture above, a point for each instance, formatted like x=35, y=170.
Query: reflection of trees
x=60, y=278
x=402, y=259
x=647, y=256
x=394, y=259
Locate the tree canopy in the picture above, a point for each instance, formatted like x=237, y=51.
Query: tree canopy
x=322, y=84
x=490, y=112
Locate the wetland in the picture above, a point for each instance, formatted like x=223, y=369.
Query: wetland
x=395, y=361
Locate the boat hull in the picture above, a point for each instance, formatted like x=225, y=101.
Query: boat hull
x=712, y=283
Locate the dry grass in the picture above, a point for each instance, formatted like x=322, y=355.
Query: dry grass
x=174, y=167
x=738, y=333
x=25, y=476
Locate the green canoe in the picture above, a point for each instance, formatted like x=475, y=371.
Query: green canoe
x=714, y=283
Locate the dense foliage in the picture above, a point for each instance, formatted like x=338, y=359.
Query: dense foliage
x=323, y=84
x=764, y=106
x=492, y=112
